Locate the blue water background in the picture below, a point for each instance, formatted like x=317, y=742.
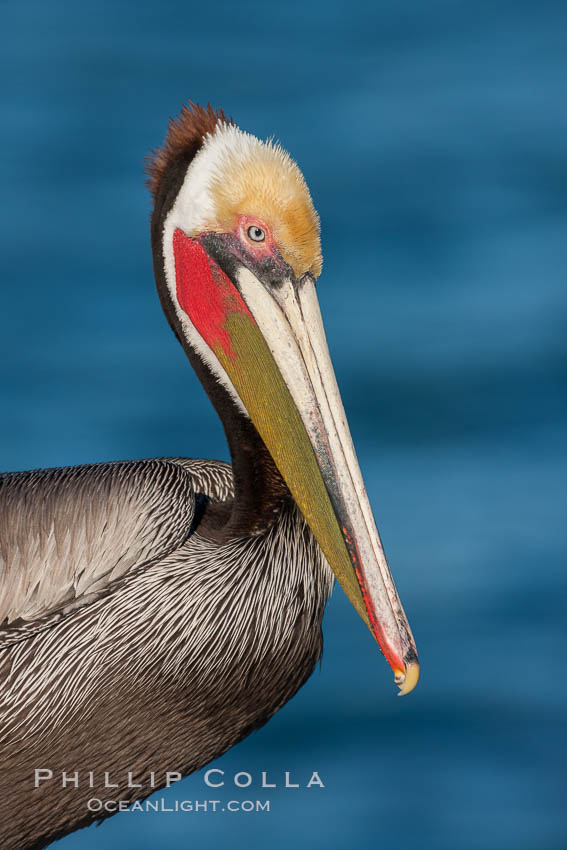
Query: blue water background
x=434, y=138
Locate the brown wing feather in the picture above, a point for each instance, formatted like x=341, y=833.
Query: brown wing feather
x=66, y=533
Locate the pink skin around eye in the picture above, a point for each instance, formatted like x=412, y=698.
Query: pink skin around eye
x=267, y=248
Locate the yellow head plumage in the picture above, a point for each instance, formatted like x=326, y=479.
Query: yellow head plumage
x=259, y=179
x=235, y=174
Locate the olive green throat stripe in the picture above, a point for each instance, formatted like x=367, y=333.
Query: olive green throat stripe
x=263, y=392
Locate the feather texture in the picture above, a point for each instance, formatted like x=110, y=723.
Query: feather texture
x=147, y=664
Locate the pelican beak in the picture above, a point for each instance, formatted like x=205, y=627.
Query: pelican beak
x=272, y=346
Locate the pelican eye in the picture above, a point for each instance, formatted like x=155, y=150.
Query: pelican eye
x=256, y=234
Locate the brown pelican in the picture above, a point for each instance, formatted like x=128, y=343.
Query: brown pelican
x=153, y=613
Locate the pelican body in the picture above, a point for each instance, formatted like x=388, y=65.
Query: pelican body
x=153, y=613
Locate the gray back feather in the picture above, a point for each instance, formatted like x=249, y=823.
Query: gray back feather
x=66, y=534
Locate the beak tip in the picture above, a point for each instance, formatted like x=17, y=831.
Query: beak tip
x=406, y=681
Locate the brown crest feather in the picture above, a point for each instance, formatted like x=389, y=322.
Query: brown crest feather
x=185, y=134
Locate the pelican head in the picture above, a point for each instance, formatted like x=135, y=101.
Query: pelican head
x=237, y=238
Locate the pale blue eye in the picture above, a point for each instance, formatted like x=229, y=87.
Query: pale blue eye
x=256, y=233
